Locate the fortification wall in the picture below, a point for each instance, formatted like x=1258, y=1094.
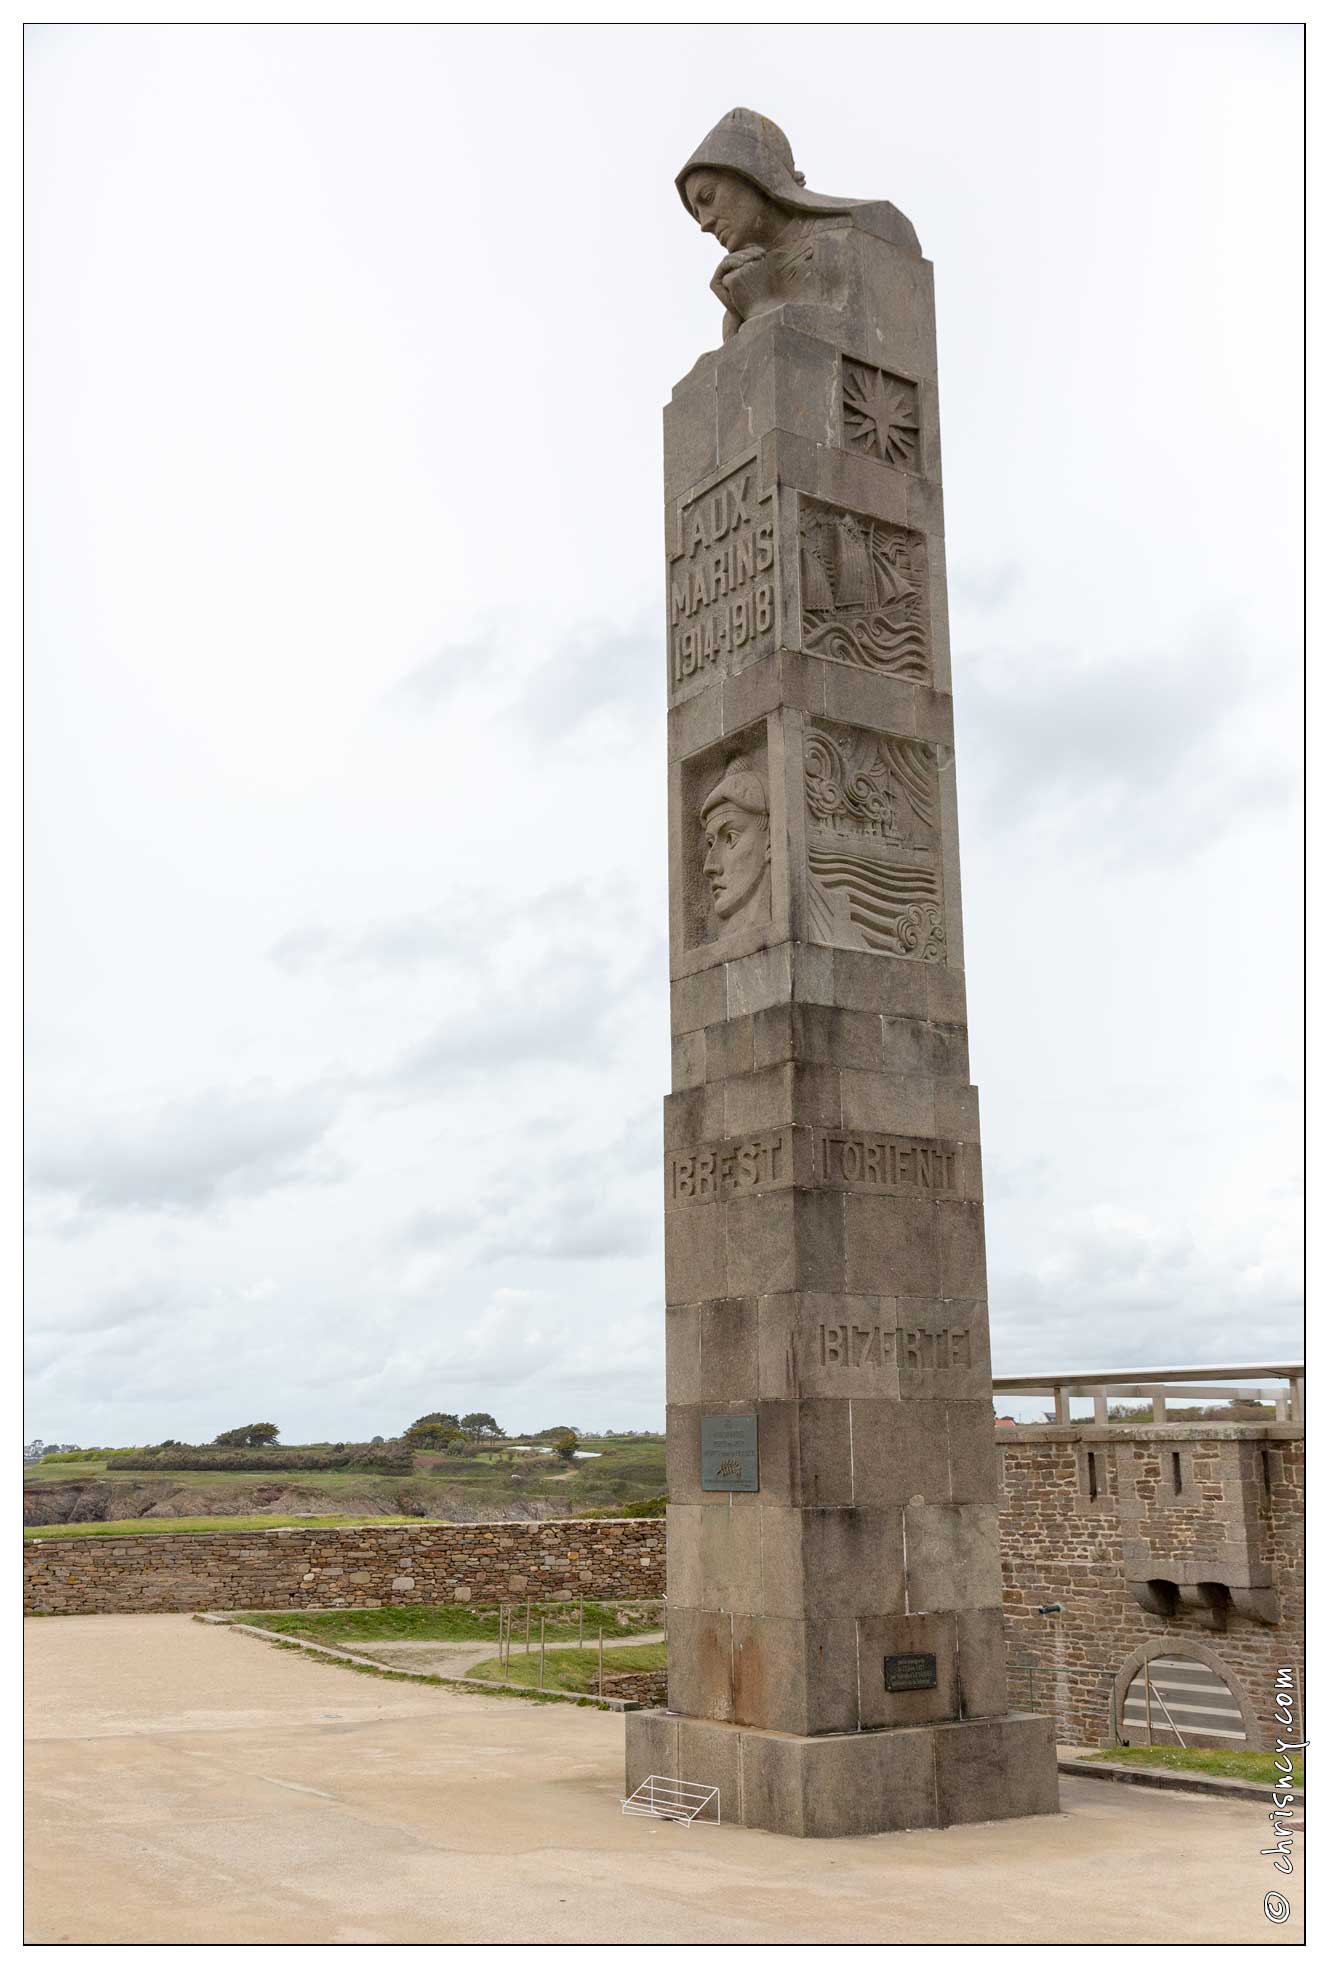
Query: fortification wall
x=1063, y=1546
x=355, y=1566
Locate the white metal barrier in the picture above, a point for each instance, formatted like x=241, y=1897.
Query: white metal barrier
x=674, y=1798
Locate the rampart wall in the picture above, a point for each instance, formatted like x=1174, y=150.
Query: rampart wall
x=346, y=1566
x=1230, y=1508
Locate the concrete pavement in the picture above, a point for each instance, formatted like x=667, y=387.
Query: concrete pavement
x=191, y=1784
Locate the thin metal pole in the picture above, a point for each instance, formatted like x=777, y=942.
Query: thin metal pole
x=1168, y=1716
x=542, y=1651
x=602, y=1661
x=1148, y=1706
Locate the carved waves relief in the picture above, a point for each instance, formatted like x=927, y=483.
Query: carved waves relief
x=864, y=593
x=873, y=847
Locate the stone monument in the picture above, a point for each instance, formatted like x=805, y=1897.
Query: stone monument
x=836, y=1659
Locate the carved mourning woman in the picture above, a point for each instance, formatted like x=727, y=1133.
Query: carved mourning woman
x=740, y=184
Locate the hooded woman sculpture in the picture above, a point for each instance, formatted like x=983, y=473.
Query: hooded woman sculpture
x=741, y=185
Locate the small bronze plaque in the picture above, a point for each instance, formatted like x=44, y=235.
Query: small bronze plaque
x=729, y=1452
x=910, y=1672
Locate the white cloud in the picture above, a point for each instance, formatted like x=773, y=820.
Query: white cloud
x=190, y=1155
x=347, y=832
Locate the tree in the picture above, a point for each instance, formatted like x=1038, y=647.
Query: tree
x=254, y=1435
x=478, y=1424
x=433, y=1431
x=565, y=1445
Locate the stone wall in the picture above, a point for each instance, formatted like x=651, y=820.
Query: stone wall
x=647, y=1686
x=349, y=1566
x=1060, y=1545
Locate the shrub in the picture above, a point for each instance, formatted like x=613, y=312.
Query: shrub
x=434, y=1431
x=254, y=1435
x=391, y=1457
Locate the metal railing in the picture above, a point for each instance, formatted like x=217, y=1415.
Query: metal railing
x=1161, y=1384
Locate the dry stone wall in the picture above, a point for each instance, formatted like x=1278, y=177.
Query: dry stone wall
x=1063, y=1546
x=647, y=1686
x=356, y=1566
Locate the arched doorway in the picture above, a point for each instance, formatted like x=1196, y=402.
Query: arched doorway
x=1180, y=1694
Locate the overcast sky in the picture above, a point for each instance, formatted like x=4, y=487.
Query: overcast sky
x=348, y=974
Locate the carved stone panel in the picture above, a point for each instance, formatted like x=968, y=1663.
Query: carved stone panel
x=863, y=592
x=726, y=840
x=873, y=842
x=880, y=412
x=722, y=583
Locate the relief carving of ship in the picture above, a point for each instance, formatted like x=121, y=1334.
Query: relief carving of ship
x=871, y=886
x=863, y=594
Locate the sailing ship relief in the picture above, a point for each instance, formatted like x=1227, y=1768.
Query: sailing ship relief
x=874, y=875
x=864, y=592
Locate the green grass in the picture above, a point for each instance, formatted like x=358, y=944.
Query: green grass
x=345, y=1626
x=260, y=1521
x=627, y=1471
x=429, y=1681
x=361, y=1480
x=573, y=1670
x=1255, y=1765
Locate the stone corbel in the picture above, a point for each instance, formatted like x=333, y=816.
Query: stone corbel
x=1259, y=1603
x=1156, y=1596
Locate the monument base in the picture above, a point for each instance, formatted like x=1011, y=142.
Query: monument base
x=829, y=1787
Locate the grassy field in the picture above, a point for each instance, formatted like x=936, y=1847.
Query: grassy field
x=345, y=1626
x=576, y=1670
x=145, y=1527
x=441, y=1486
x=98, y=1472
x=1257, y=1766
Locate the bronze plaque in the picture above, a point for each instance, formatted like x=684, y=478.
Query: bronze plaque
x=729, y=1452
x=904, y=1672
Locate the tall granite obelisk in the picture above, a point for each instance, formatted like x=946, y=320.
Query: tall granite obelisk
x=836, y=1658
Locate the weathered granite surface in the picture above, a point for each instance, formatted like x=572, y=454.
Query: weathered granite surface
x=824, y=1249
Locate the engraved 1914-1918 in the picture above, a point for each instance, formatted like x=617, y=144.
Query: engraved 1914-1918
x=722, y=587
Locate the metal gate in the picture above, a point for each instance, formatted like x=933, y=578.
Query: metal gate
x=1172, y=1700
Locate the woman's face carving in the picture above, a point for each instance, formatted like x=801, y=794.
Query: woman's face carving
x=738, y=854
x=736, y=212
